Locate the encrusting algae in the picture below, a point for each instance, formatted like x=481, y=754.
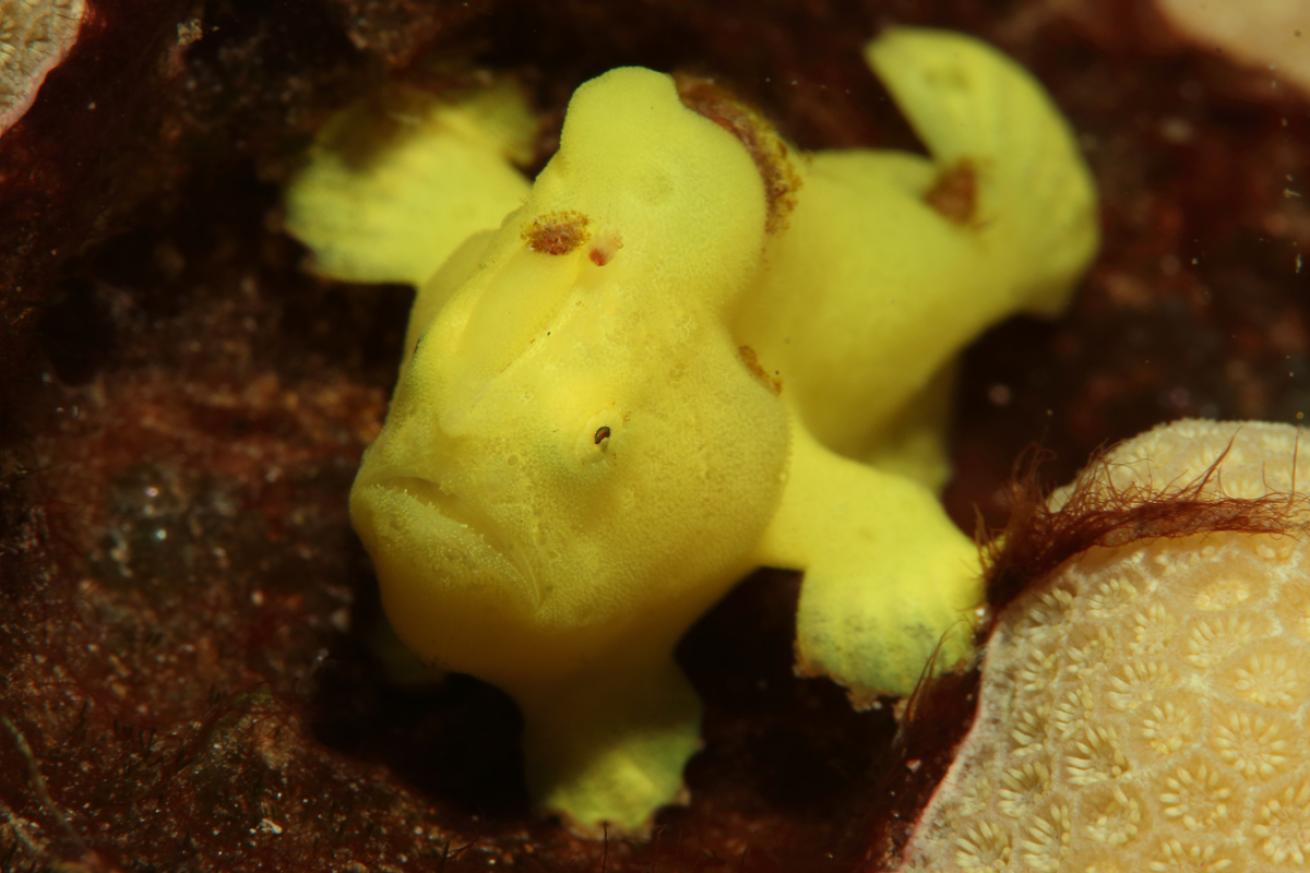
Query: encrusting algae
x=685, y=351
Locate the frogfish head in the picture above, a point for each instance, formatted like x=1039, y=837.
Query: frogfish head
x=578, y=460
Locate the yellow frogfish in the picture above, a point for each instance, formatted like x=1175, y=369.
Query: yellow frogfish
x=684, y=351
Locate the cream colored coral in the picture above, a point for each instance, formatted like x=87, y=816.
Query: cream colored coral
x=34, y=36
x=1147, y=709
x=1267, y=33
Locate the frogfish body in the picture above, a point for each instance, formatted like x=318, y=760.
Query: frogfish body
x=686, y=350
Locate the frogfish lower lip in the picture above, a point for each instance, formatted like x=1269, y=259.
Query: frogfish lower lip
x=450, y=507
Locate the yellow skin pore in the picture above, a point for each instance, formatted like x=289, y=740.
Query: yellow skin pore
x=653, y=377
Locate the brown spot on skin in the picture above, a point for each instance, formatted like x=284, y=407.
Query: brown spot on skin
x=766, y=148
x=955, y=193
x=752, y=361
x=557, y=233
x=604, y=249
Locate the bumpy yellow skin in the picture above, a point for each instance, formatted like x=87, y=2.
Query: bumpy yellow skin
x=653, y=377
